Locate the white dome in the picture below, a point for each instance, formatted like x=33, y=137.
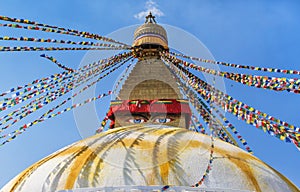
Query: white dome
x=149, y=155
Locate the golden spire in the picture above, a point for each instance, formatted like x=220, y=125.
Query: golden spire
x=150, y=18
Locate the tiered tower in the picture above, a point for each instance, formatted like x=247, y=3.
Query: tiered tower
x=151, y=81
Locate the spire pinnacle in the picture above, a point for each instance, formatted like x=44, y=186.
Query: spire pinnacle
x=150, y=18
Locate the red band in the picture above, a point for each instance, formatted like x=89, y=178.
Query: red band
x=169, y=106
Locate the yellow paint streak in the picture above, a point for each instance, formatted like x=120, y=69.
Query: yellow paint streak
x=76, y=168
x=235, y=154
x=94, y=166
x=143, y=145
x=246, y=169
x=197, y=144
x=164, y=172
x=22, y=176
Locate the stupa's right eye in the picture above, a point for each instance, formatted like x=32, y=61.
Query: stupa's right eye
x=162, y=120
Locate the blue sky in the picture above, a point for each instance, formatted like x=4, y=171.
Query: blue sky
x=258, y=33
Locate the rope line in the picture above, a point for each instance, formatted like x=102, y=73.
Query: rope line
x=51, y=28
x=284, y=71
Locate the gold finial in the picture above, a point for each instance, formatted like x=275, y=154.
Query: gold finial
x=150, y=18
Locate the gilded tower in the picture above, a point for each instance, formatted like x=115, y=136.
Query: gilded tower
x=151, y=83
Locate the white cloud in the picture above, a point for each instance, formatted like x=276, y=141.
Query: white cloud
x=152, y=7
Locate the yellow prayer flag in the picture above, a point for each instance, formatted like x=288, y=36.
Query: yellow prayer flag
x=282, y=137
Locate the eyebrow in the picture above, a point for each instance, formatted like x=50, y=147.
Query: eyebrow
x=164, y=115
x=140, y=115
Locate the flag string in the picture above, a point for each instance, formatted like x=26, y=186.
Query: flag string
x=284, y=71
x=51, y=28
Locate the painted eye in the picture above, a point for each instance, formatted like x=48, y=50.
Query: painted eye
x=137, y=120
x=162, y=120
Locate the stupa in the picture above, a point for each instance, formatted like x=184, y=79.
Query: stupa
x=149, y=147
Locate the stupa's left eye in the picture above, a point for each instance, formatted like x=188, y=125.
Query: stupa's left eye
x=162, y=120
x=137, y=120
